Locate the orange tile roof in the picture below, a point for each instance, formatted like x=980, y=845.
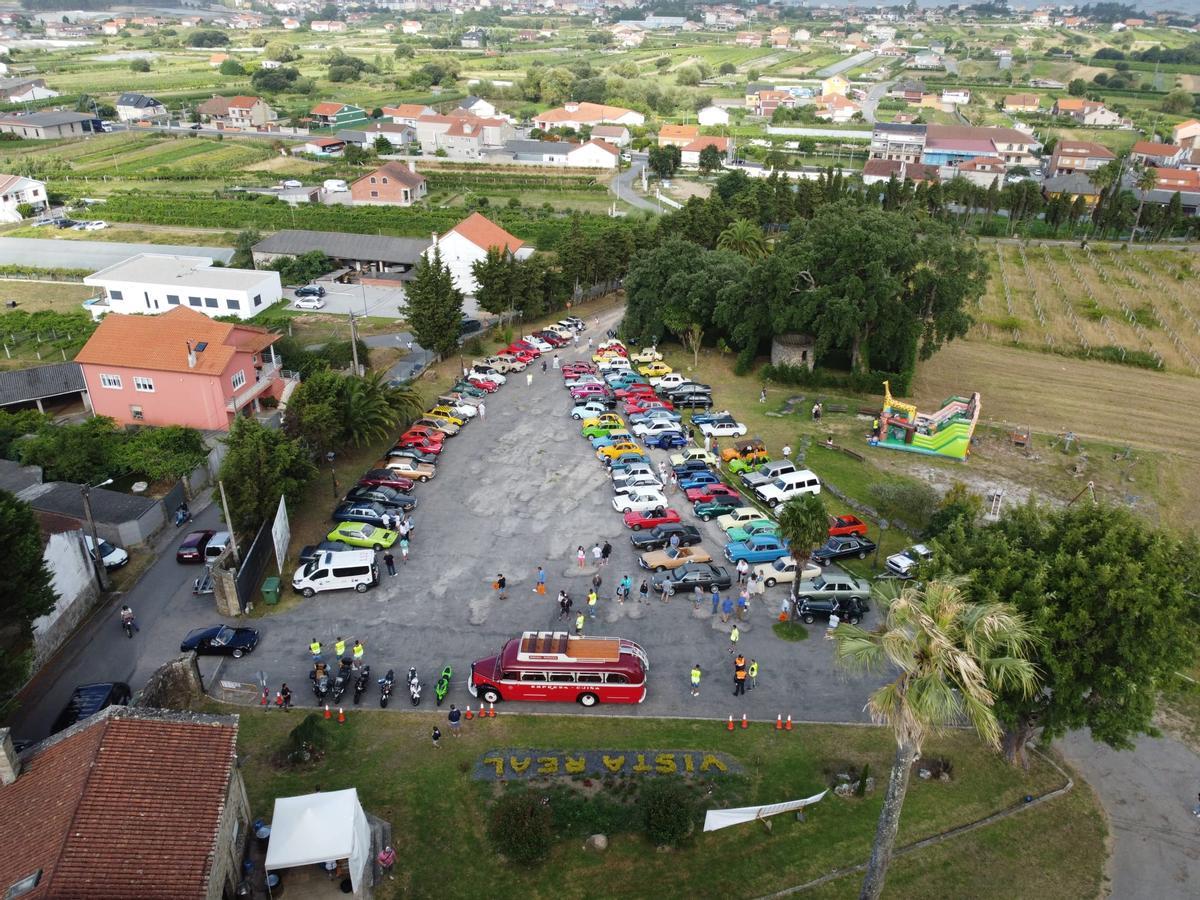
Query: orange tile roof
x=127, y=805
x=721, y=143
x=1149, y=148
x=243, y=102
x=405, y=110
x=160, y=343
x=604, y=145
x=679, y=131
x=327, y=109
x=1069, y=103
x=484, y=233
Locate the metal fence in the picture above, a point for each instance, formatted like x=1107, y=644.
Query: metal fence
x=254, y=563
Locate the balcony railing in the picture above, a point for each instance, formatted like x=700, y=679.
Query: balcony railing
x=265, y=376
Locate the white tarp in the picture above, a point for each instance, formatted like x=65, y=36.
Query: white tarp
x=723, y=818
x=316, y=828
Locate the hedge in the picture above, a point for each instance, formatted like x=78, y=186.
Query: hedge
x=856, y=382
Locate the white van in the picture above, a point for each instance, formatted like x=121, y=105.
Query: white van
x=787, y=486
x=330, y=571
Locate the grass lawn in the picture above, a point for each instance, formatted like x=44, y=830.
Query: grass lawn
x=33, y=296
x=134, y=234
x=439, y=812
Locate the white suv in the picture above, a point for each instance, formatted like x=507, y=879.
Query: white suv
x=787, y=486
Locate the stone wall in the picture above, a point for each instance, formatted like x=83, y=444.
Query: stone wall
x=175, y=685
x=792, y=350
x=74, y=582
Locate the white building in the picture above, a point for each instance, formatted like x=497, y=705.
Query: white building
x=17, y=189
x=712, y=115
x=595, y=154
x=468, y=242
x=152, y=283
x=477, y=106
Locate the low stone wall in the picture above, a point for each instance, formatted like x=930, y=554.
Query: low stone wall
x=792, y=350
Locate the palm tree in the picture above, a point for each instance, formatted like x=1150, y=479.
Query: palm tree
x=953, y=656
x=803, y=523
x=743, y=237
x=1145, y=181
x=373, y=407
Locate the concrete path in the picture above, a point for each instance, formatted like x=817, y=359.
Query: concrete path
x=1148, y=795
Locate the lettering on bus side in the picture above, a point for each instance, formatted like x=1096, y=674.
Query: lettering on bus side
x=525, y=763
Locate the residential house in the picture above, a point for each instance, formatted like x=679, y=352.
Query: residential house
x=628, y=36
x=1191, y=160
x=332, y=26
x=240, y=113
x=926, y=61
x=322, y=146
x=1186, y=135
x=180, y=368
x=126, y=803
x=593, y=154
x=112, y=27
x=1090, y=113
x=407, y=113
x=216, y=59
x=712, y=116
x=835, y=108
x=902, y=143
x=410, y=26
x=48, y=126
x=1166, y=156
x=1071, y=185
x=1022, y=103
x=290, y=23
x=24, y=90
x=366, y=136
x=982, y=171
x=336, y=115
x=468, y=242
x=677, y=135
x=748, y=39
x=877, y=170
x=546, y=153
x=153, y=283
x=780, y=38
x=577, y=114
x=690, y=153
x=135, y=107
x=956, y=96
x=392, y=184
x=477, y=106
x=361, y=252
x=17, y=190
x=1077, y=156
x=1177, y=180
x=617, y=135
x=835, y=84
x=766, y=102
x=473, y=39
x=952, y=144
x=1169, y=183
x=801, y=35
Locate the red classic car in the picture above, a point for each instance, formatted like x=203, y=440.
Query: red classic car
x=847, y=525
x=710, y=492
x=650, y=518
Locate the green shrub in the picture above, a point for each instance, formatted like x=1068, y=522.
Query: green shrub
x=858, y=382
x=668, y=811
x=521, y=828
x=912, y=502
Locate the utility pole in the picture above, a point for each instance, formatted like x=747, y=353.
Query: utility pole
x=354, y=345
x=229, y=522
x=97, y=559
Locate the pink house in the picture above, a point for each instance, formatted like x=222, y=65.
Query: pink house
x=179, y=368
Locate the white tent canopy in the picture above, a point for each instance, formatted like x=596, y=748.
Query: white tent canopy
x=316, y=828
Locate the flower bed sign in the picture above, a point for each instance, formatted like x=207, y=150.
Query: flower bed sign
x=525, y=763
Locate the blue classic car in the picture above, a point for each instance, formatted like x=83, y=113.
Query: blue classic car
x=761, y=548
x=698, y=479
x=668, y=440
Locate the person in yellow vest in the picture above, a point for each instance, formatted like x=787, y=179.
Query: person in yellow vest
x=339, y=647
x=696, y=680
x=753, y=674
x=315, y=649
x=359, y=650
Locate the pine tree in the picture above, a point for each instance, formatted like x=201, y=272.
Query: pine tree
x=434, y=305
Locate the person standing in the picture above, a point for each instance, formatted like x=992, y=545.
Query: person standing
x=404, y=549
x=674, y=482
x=743, y=571
x=579, y=624
x=674, y=540
x=787, y=451
x=762, y=395
x=482, y=407
x=757, y=585
x=387, y=861
x=501, y=585
x=605, y=553
x=540, y=586
x=716, y=599
x=726, y=609
x=543, y=366
x=644, y=592
x=315, y=649
x=564, y=605
x=359, y=651
x=528, y=379
x=707, y=443
x=581, y=556
x=339, y=647
x=555, y=362
x=753, y=674
x=696, y=673
x=734, y=636
x=697, y=596
x=597, y=554
x=739, y=678
x=743, y=604
x=285, y=694
x=455, y=719
x=390, y=562
x=592, y=599
x=437, y=736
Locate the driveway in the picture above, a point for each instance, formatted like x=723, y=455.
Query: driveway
x=367, y=300
x=622, y=184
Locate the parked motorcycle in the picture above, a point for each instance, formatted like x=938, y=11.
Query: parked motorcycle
x=385, y=687
x=182, y=515
x=442, y=688
x=320, y=682
x=414, y=686
x=342, y=680
x=361, y=684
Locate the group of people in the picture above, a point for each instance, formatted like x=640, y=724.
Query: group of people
x=741, y=674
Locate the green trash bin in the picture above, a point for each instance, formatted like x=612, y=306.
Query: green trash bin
x=271, y=591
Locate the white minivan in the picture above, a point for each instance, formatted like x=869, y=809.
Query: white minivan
x=787, y=486
x=342, y=571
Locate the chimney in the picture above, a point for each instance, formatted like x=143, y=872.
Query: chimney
x=412, y=166
x=191, y=356
x=10, y=763
x=433, y=238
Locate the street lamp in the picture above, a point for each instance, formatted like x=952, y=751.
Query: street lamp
x=97, y=559
x=329, y=458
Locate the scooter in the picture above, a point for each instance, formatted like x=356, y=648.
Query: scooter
x=414, y=686
x=127, y=624
x=442, y=688
x=361, y=685
x=342, y=680
x=385, y=688
x=320, y=682
x=182, y=514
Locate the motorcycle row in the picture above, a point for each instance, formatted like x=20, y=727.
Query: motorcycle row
x=330, y=689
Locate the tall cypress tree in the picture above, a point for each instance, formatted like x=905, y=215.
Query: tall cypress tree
x=434, y=305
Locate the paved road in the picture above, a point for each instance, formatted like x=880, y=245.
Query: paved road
x=622, y=184
x=874, y=95
x=1148, y=795
x=69, y=254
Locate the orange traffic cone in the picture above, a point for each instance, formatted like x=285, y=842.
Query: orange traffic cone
x=469, y=715
x=264, y=701
x=341, y=716
x=745, y=724
x=491, y=710
x=278, y=699
x=328, y=714
x=779, y=722
x=787, y=726
x=730, y=723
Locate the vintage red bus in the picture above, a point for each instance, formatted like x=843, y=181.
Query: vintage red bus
x=552, y=665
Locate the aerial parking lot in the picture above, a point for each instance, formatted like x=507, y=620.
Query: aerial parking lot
x=520, y=488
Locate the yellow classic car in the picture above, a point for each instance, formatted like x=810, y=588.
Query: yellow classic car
x=655, y=370
x=615, y=450
x=646, y=355
x=445, y=412
x=673, y=558
x=603, y=419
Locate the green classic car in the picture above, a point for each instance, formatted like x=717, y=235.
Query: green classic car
x=738, y=465
x=360, y=534
x=713, y=508
x=747, y=531
x=602, y=428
